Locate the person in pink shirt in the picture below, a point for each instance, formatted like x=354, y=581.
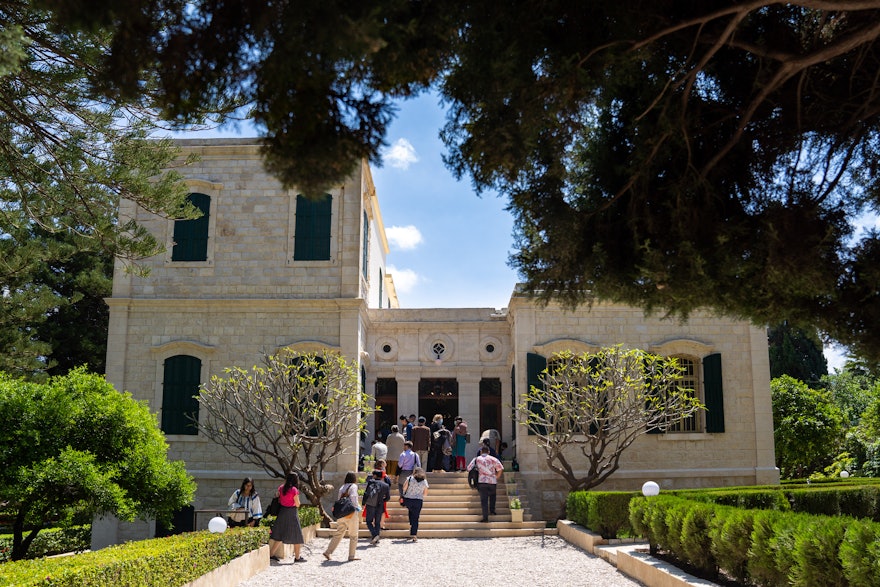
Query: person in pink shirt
x=287, y=529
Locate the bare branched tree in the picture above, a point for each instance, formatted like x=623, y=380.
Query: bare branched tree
x=598, y=404
x=294, y=414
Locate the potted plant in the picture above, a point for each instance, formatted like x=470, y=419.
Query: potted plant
x=516, y=511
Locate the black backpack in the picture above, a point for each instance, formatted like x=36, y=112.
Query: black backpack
x=474, y=477
x=372, y=493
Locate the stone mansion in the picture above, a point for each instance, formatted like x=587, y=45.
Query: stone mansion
x=265, y=269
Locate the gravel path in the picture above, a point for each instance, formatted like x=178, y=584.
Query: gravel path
x=476, y=562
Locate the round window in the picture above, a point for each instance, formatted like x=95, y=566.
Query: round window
x=386, y=348
x=490, y=348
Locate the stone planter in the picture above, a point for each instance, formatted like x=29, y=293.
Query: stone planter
x=516, y=516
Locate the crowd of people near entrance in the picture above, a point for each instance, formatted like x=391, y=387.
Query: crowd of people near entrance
x=410, y=450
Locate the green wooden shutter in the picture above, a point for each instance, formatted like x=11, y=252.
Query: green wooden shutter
x=513, y=399
x=191, y=236
x=312, y=238
x=535, y=365
x=714, y=396
x=381, y=288
x=180, y=385
x=366, y=254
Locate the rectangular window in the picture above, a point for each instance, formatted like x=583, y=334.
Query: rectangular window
x=180, y=386
x=312, y=231
x=689, y=380
x=191, y=236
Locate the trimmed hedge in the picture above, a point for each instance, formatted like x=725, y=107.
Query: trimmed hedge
x=174, y=560
x=51, y=541
x=603, y=512
x=762, y=547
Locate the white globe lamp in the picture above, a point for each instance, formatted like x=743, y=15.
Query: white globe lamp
x=844, y=474
x=649, y=488
x=217, y=525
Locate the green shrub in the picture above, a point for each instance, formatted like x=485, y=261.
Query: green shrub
x=577, y=508
x=674, y=520
x=816, y=548
x=309, y=515
x=51, y=541
x=174, y=560
x=822, y=502
x=696, y=543
x=638, y=516
x=858, y=502
x=761, y=565
x=860, y=554
x=731, y=536
x=603, y=512
x=609, y=513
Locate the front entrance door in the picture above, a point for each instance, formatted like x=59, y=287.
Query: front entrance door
x=438, y=396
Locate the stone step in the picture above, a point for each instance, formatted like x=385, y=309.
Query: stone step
x=471, y=530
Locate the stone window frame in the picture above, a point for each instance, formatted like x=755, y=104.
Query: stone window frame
x=213, y=190
x=336, y=196
x=695, y=351
x=193, y=348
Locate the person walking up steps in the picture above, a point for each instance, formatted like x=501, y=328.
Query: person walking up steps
x=394, y=442
x=490, y=470
x=407, y=462
x=421, y=441
x=375, y=496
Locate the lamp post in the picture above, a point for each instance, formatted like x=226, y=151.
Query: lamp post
x=650, y=489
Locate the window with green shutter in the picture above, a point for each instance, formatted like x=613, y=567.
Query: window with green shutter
x=180, y=386
x=366, y=255
x=381, y=289
x=535, y=365
x=312, y=238
x=191, y=236
x=714, y=398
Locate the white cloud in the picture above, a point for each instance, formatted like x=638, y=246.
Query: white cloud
x=401, y=154
x=404, y=238
x=404, y=279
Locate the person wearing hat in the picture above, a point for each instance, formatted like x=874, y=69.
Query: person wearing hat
x=490, y=470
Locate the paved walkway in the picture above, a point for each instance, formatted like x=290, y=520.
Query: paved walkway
x=475, y=562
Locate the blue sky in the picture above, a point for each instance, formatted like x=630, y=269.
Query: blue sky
x=449, y=248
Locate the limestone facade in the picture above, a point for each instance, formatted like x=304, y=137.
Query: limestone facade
x=249, y=294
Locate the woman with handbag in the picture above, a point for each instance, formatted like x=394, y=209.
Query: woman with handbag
x=347, y=521
x=287, y=529
x=415, y=489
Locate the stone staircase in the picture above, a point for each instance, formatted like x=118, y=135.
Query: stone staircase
x=452, y=510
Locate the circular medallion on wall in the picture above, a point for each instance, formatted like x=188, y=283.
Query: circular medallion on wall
x=439, y=348
x=490, y=349
x=386, y=349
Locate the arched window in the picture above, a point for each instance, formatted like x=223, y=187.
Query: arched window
x=180, y=386
x=191, y=236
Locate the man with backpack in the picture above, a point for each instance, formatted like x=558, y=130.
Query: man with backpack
x=376, y=494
